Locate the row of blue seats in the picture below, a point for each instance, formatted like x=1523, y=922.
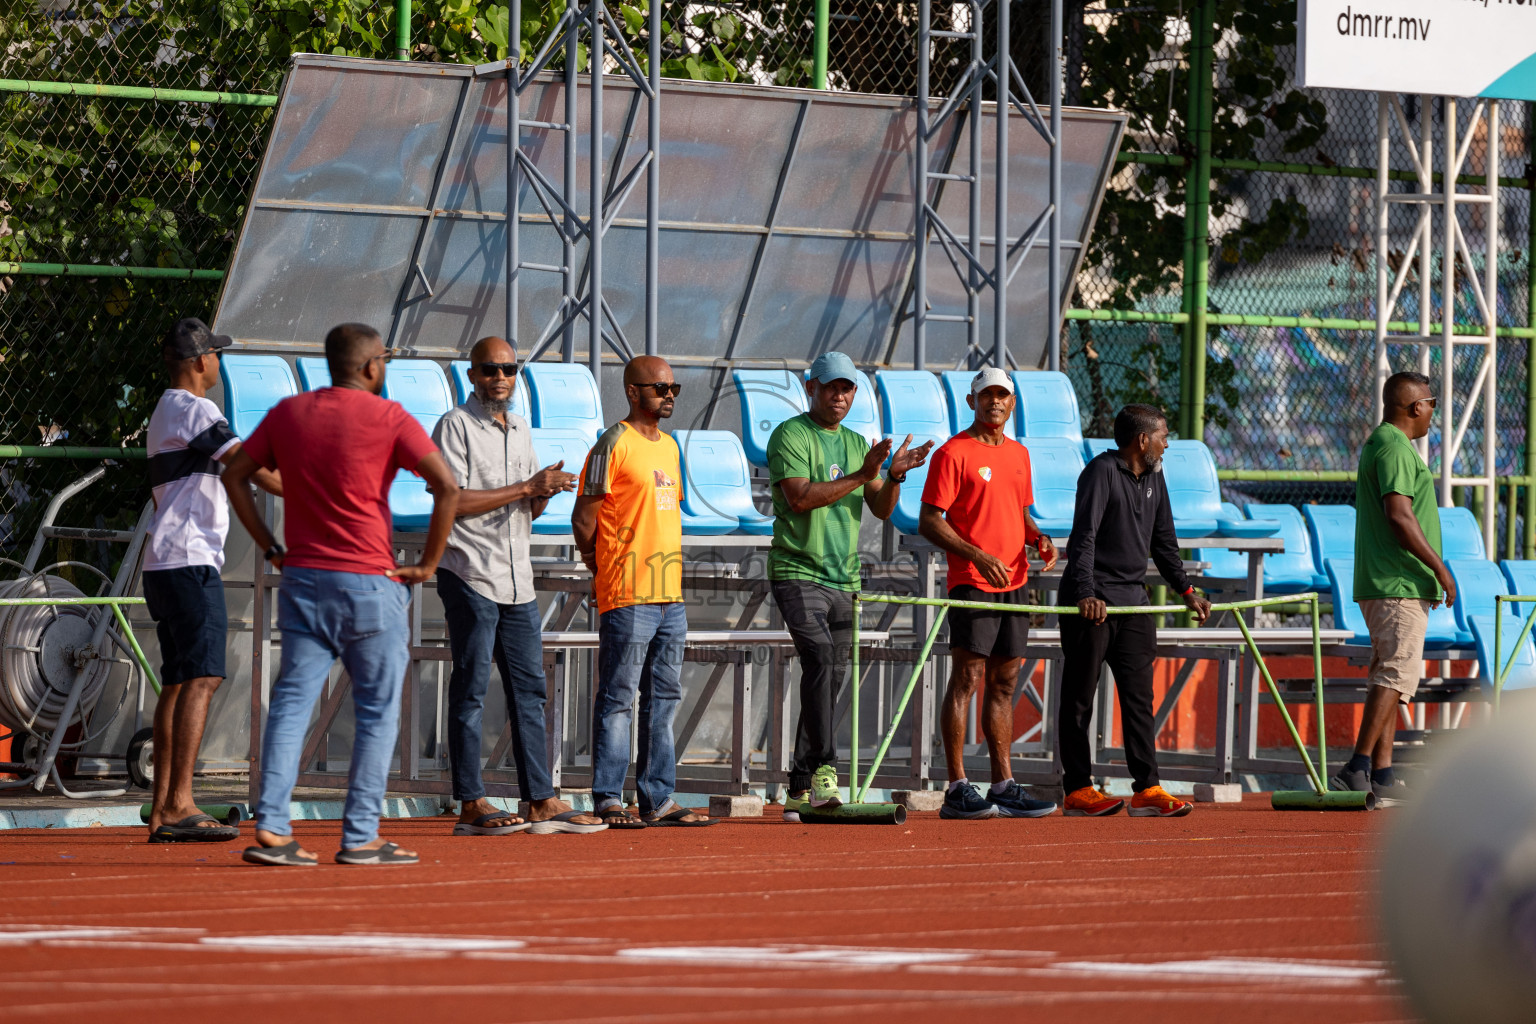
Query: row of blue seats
x=927, y=406
x=717, y=500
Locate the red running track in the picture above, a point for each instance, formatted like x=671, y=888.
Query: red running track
x=1234, y=913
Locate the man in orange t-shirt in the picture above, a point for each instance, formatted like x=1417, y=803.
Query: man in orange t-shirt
x=976, y=507
x=628, y=527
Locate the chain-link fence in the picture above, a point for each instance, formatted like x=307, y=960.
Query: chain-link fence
x=110, y=180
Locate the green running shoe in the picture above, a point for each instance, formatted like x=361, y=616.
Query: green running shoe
x=824, y=791
x=793, y=804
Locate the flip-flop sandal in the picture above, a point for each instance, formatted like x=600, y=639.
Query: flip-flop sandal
x=618, y=817
x=389, y=853
x=674, y=819
x=563, y=823
x=478, y=827
x=187, y=830
x=285, y=856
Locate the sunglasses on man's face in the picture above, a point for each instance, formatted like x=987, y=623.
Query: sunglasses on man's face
x=497, y=369
x=663, y=389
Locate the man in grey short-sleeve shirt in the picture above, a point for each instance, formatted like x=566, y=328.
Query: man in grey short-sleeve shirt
x=485, y=580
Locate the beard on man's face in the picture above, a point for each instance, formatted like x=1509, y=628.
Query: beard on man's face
x=496, y=406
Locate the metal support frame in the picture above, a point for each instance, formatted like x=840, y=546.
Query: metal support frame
x=607, y=188
x=1458, y=399
x=964, y=104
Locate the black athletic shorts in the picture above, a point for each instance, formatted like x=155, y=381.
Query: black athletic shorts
x=992, y=634
x=187, y=605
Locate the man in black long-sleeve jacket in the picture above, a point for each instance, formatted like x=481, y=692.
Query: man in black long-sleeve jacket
x=1122, y=516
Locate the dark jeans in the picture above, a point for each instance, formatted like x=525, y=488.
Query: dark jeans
x=639, y=649
x=1128, y=644
x=480, y=630
x=820, y=619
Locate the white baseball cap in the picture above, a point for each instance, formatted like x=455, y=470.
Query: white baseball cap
x=991, y=377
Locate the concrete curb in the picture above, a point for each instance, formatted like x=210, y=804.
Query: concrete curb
x=126, y=815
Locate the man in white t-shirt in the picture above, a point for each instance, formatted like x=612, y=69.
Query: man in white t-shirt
x=188, y=439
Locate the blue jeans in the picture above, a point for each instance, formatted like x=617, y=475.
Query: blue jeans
x=480, y=631
x=637, y=647
x=359, y=618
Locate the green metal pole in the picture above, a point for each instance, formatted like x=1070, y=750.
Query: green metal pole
x=1530, y=346
x=403, y=28
x=59, y=451
x=853, y=766
x=138, y=92
x=1198, y=204
x=102, y=270
x=917, y=673
x=823, y=33
x=1317, y=682
x=138, y=652
x=1187, y=259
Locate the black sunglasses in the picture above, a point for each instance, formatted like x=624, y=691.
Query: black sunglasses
x=387, y=355
x=497, y=369
x=663, y=389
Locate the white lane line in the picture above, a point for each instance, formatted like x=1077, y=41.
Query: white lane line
x=1234, y=969
x=363, y=943
x=26, y=934
x=783, y=955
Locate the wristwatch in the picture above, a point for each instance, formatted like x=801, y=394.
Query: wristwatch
x=893, y=478
x=275, y=551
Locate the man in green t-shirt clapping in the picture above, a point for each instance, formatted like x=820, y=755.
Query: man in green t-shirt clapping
x=822, y=475
x=1399, y=576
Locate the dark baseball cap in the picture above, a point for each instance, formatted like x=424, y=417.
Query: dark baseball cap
x=191, y=338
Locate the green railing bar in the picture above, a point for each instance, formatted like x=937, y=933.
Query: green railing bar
x=1500, y=667
x=1264, y=320
x=60, y=451
x=133, y=641
x=105, y=270
x=1314, y=170
x=29, y=602
x=137, y=92
x=1274, y=691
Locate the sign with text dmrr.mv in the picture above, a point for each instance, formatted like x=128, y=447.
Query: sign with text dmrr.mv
x=1436, y=47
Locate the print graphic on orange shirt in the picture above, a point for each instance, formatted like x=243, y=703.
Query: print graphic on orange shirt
x=640, y=522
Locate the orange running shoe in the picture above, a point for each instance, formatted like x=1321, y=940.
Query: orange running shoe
x=1157, y=802
x=1088, y=802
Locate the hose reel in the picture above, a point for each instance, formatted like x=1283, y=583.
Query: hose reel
x=41, y=649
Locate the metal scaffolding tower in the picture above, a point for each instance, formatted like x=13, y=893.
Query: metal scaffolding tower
x=608, y=189
x=1418, y=260
x=964, y=105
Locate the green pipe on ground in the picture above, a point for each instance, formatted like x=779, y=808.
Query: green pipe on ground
x=136, y=92
x=229, y=814
x=855, y=814
x=103, y=270
x=1306, y=800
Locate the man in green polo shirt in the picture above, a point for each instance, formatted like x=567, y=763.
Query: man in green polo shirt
x=1399, y=576
x=822, y=476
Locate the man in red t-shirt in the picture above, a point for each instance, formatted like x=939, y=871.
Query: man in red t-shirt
x=976, y=507
x=342, y=596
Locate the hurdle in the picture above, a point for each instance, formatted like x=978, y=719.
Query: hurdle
x=1501, y=668
x=1318, y=799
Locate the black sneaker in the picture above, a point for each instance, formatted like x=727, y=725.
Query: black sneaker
x=967, y=802
x=1351, y=781
x=1014, y=802
x=1389, y=795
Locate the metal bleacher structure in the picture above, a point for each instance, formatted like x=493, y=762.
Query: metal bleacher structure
x=395, y=194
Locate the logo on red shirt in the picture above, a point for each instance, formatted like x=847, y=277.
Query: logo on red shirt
x=986, y=473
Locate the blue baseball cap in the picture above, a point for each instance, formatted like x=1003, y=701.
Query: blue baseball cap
x=830, y=366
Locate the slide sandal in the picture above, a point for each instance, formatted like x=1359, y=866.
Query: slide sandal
x=618, y=817
x=674, y=819
x=478, y=827
x=187, y=830
x=563, y=823
x=285, y=856
x=389, y=853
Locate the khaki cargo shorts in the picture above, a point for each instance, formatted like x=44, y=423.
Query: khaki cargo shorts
x=1397, y=626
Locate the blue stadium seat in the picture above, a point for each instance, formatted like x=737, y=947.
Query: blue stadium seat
x=252, y=385
x=912, y=402
x=420, y=387
x=1094, y=446
x=718, y=483
x=864, y=414
x=1292, y=571
x=1461, y=535
x=1332, y=532
x=552, y=445
x=768, y=398
x=1225, y=564
x=1522, y=580
x=462, y=389
x=1478, y=581
x=1056, y=463
x=957, y=386
x=1046, y=405
x=564, y=395
x=314, y=374
x=1522, y=672
x=1346, y=613
x=909, y=503
x=1195, y=493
